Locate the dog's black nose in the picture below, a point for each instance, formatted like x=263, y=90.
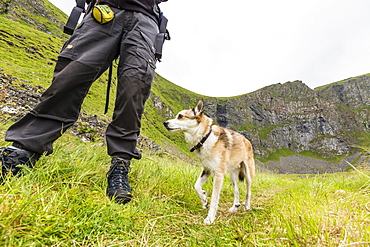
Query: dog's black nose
x=165, y=124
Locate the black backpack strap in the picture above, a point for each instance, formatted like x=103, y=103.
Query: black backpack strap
x=71, y=24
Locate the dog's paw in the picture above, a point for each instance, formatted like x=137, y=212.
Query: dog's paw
x=204, y=200
x=234, y=208
x=246, y=206
x=209, y=220
x=203, y=195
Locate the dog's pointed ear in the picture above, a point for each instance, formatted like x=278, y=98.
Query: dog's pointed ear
x=199, y=108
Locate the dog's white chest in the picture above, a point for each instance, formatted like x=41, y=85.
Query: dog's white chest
x=210, y=160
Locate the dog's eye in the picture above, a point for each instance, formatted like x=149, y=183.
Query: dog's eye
x=180, y=116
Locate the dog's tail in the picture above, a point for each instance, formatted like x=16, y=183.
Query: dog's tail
x=242, y=171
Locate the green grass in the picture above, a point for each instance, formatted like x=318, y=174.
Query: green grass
x=62, y=202
x=33, y=52
x=285, y=152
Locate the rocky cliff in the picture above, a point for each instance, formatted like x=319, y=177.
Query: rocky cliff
x=328, y=122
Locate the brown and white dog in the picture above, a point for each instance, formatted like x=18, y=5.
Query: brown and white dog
x=220, y=150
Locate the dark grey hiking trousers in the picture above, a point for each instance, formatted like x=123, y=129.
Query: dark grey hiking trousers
x=84, y=57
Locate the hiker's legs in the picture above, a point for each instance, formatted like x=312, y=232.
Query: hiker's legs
x=135, y=75
x=58, y=110
x=83, y=59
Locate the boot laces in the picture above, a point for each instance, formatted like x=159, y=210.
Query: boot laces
x=12, y=157
x=118, y=175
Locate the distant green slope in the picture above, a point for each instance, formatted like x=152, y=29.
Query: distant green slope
x=320, y=88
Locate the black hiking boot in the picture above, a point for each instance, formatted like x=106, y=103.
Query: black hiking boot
x=118, y=186
x=13, y=158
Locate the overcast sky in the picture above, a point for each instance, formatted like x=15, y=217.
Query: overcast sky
x=229, y=48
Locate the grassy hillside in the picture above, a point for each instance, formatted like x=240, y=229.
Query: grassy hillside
x=171, y=99
x=30, y=55
x=62, y=202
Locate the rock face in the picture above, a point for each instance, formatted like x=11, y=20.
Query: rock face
x=328, y=122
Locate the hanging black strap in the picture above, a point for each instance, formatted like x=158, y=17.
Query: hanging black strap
x=71, y=24
x=108, y=88
x=161, y=36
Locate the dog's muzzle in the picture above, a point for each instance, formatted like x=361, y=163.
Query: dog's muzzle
x=166, y=124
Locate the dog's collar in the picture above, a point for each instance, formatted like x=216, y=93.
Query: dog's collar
x=200, y=144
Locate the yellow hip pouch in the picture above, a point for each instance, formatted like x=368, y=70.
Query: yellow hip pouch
x=102, y=13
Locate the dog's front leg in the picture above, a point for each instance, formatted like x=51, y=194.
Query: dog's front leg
x=198, y=187
x=217, y=186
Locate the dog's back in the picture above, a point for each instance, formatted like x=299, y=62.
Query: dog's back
x=230, y=148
